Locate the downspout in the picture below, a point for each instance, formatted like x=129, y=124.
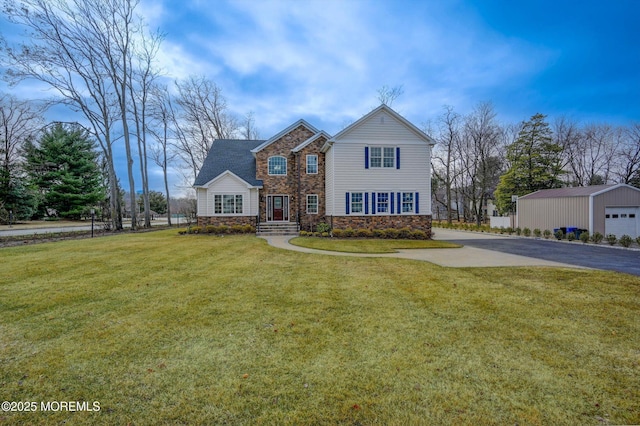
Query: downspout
x=297, y=154
x=591, y=229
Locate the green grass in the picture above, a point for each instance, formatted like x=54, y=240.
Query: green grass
x=166, y=329
x=350, y=245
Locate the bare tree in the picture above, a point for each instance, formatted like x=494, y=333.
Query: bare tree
x=141, y=79
x=248, y=128
x=203, y=117
x=445, y=161
x=66, y=50
x=387, y=95
x=629, y=154
x=19, y=121
x=160, y=127
x=480, y=157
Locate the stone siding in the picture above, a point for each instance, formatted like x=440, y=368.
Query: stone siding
x=281, y=185
x=414, y=222
x=312, y=184
x=226, y=220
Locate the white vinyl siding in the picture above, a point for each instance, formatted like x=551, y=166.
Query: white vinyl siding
x=413, y=176
x=346, y=163
x=231, y=186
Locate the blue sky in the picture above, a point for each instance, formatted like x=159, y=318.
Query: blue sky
x=325, y=60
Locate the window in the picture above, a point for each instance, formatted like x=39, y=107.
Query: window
x=382, y=204
x=623, y=216
x=389, y=157
x=277, y=165
x=632, y=215
x=227, y=204
x=407, y=202
x=382, y=157
x=312, y=164
x=312, y=204
x=356, y=202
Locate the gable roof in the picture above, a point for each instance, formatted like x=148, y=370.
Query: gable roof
x=422, y=135
x=232, y=155
x=312, y=139
x=578, y=191
x=282, y=133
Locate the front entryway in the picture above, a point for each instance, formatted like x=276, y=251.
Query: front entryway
x=277, y=208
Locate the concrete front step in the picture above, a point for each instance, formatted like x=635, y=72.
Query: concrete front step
x=286, y=228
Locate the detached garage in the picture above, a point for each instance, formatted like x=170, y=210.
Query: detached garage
x=608, y=209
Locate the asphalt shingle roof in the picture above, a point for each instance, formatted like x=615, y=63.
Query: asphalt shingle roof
x=233, y=155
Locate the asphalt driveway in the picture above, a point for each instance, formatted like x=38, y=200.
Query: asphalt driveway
x=573, y=253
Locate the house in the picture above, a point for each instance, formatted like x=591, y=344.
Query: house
x=376, y=173
x=607, y=209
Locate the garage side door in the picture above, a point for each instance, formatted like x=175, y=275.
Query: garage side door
x=621, y=221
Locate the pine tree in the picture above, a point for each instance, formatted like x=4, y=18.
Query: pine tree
x=536, y=163
x=63, y=166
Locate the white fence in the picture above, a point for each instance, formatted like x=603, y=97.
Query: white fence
x=497, y=222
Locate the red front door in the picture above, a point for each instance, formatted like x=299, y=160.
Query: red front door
x=278, y=207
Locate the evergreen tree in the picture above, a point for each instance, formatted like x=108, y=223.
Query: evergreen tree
x=63, y=166
x=158, y=202
x=535, y=163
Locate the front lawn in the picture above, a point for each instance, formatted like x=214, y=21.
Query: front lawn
x=166, y=329
x=350, y=245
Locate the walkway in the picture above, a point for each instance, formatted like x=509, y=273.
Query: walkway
x=452, y=257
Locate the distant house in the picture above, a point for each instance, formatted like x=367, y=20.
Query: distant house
x=608, y=209
x=376, y=173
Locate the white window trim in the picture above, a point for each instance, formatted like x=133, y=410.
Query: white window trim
x=234, y=194
x=382, y=157
x=307, y=164
x=317, y=203
x=388, y=212
x=362, y=208
x=269, y=168
x=402, y=203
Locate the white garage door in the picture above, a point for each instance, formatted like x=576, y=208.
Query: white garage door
x=621, y=221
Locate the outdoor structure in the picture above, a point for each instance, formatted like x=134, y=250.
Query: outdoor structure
x=376, y=173
x=608, y=209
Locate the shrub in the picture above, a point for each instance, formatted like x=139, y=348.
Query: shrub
x=559, y=234
x=626, y=241
x=611, y=239
x=547, y=234
x=537, y=233
x=518, y=231
x=379, y=233
x=349, y=232
x=418, y=235
x=392, y=233
x=571, y=236
x=584, y=237
x=248, y=229
x=194, y=230
x=338, y=233
x=526, y=232
x=303, y=233
x=237, y=229
x=638, y=241
x=323, y=227
x=509, y=230
x=502, y=229
x=404, y=233
x=182, y=232
x=597, y=238
x=324, y=234
x=364, y=233
x=210, y=229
